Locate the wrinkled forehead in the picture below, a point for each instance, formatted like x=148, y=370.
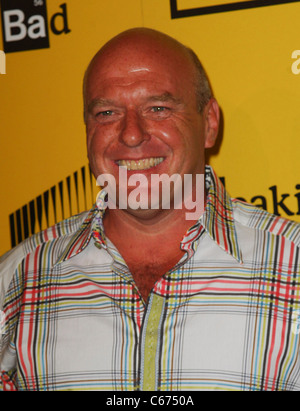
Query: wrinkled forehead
x=141, y=54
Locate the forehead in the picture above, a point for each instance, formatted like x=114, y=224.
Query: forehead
x=157, y=60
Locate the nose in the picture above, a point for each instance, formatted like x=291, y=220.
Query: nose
x=133, y=131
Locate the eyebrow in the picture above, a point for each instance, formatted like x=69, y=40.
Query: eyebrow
x=165, y=97
x=101, y=102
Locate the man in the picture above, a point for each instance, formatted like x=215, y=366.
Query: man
x=144, y=298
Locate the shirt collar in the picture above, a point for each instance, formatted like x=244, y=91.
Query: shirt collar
x=218, y=218
x=217, y=221
x=80, y=239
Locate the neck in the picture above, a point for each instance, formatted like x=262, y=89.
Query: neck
x=149, y=222
x=148, y=242
x=145, y=225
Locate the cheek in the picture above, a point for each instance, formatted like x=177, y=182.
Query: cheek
x=100, y=146
x=97, y=140
x=95, y=149
x=169, y=133
x=90, y=131
x=183, y=140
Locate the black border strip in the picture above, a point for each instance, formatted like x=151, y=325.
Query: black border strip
x=34, y=216
x=221, y=8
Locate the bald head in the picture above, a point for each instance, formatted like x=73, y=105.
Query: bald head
x=148, y=42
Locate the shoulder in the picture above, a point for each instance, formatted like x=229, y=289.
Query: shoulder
x=258, y=219
x=59, y=234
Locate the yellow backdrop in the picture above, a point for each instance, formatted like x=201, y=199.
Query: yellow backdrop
x=249, y=55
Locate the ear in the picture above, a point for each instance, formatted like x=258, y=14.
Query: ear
x=211, y=117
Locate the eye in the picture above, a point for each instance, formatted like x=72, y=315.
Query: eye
x=158, y=109
x=106, y=116
x=105, y=113
x=159, y=112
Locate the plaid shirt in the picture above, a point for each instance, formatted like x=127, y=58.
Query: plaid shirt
x=226, y=317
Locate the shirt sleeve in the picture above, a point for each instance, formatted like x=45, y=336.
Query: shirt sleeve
x=10, y=292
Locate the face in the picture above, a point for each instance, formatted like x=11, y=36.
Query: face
x=142, y=112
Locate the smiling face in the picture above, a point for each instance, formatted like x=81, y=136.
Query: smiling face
x=141, y=108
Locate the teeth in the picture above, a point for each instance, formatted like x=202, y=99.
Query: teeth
x=142, y=164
